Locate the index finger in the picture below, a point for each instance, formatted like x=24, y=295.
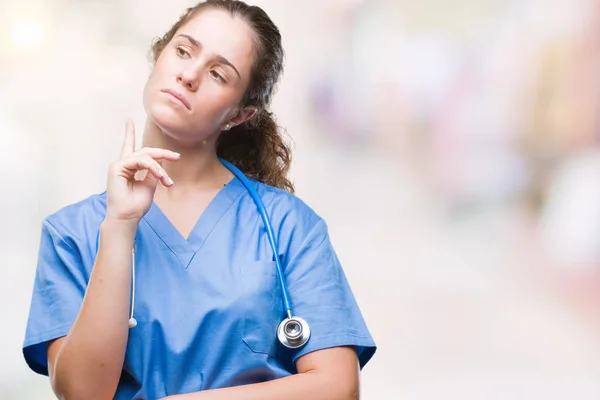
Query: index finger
x=129, y=142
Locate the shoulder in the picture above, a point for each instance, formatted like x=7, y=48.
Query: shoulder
x=296, y=223
x=75, y=218
x=287, y=207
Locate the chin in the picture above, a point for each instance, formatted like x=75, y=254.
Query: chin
x=174, y=124
x=166, y=118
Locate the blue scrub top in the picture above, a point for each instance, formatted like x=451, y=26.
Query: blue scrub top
x=208, y=306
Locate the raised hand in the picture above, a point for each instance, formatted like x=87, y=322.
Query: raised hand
x=127, y=197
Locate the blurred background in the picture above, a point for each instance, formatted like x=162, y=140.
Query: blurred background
x=453, y=146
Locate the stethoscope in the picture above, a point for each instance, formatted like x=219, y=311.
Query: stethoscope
x=293, y=332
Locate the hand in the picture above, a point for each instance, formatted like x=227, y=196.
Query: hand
x=129, y=199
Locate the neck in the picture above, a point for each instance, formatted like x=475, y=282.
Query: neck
x=198, y=166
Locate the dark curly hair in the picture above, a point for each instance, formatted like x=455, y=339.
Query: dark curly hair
x=256, y=147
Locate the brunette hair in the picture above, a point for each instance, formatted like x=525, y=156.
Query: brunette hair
x=256, y=147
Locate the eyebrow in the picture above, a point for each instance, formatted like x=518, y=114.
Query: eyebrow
x=219, y=57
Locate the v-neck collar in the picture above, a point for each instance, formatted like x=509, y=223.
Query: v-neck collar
x=186, y=249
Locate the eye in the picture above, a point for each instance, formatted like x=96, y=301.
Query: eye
x=181, y=52
x=217, y=76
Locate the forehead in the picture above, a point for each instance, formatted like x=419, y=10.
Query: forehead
x=223, y=34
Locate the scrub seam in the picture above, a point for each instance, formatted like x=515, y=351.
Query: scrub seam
x=217, y=222
x=58, y=236
x=162, y=240
x=41, y=335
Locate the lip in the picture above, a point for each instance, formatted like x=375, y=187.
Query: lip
x=179, y=97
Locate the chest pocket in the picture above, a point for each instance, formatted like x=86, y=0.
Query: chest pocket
x=263, y=308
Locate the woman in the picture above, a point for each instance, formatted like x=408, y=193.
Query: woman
x=204, y=290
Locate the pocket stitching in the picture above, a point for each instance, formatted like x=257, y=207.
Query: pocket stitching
x=245, y=271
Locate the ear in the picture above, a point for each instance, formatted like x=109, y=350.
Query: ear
x=242, y=116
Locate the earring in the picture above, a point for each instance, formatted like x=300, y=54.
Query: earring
x=227, y=127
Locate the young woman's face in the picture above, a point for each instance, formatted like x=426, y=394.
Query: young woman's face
x=200, y=77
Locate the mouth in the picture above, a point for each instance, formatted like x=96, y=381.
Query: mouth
x=178, y=96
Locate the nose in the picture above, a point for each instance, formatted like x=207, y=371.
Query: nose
x=190, y=77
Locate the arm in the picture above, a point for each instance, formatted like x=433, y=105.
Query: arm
x=87, y=363
x=329, y=374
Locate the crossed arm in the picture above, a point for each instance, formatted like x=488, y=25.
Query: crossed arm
x=330, y=374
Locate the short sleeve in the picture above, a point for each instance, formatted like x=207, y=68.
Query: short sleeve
x=320, y=294
x=58, y=292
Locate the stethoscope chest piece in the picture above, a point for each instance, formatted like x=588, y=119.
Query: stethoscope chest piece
x=293, y=332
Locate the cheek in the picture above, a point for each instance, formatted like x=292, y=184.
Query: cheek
x=148, y=93
x=145, y=95
x=213, y=103
x=160, y=111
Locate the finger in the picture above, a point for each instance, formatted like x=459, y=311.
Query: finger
x=144, y=162
x=151, y=181
x=129, y=142
x=160, y=154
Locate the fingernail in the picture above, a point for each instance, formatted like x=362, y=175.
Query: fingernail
x=169, y=181
x=177, y=154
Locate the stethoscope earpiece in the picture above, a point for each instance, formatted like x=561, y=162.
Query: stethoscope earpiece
x=293, y=332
